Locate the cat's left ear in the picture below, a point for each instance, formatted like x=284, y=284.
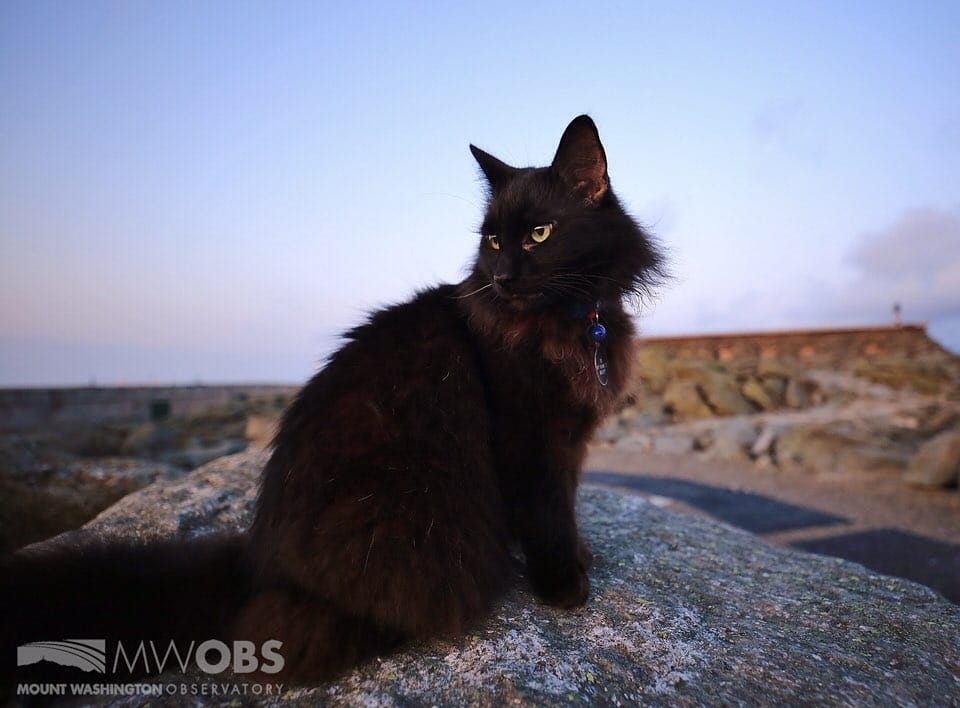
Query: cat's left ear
x=580, y=160
x=496, y=171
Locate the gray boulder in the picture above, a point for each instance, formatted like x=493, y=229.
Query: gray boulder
x=764, y=441
x=840, y=447
x=683, y=611
x=718, y=387
x=197, y=453
x=775, y=387
x=48, y=494
x=759, y=394
x=940, y=418
x=731, y=438
x=610, y=432
x=652, y=368
x=937, y=462
x=797, y=394
x=686, y=401
x=149, y=439
x=216, y=497
x=925, y=374
x=774, y=367
x=666, y=442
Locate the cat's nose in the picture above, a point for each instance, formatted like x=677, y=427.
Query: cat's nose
x=503, y=282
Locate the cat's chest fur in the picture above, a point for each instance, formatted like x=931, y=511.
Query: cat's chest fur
x=547, y=363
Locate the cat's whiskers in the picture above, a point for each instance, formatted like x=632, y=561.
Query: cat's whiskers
x=480, y=289
x=590, y=277
x=581, y=284
x=634, y=294
x=629, y=289
x=566, y=289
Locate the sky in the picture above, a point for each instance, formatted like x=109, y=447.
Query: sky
x=214, y=191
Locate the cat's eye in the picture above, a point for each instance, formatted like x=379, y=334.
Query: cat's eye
x=493, y=241
x=541, y=233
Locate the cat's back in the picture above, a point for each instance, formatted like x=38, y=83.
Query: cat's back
x=383, y=465
x=417, y=353
x=418, y=334
x=406, y=387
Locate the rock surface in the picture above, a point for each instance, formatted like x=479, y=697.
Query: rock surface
x=216, y=497
x=684, y=611
x=760, y=394
x=845, y=426
x=43, y=492
x=57, y=477
x=685, y=399
x=937, y=462
x=838, y=446
x=928, y=375
x=690, y=380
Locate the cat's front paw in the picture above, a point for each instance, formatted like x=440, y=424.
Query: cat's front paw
x=566, y=588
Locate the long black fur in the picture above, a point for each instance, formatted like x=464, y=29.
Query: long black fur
x=444, y=431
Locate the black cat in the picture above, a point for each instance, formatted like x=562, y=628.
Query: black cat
x=443, y=431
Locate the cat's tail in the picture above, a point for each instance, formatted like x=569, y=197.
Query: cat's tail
x=178, y=591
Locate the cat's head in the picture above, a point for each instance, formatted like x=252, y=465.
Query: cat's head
x=557, y=235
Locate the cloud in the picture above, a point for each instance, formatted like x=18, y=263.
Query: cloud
x=915, y=261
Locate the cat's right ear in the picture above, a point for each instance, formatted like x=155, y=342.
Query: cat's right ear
x=580, y=160
x=496, y=171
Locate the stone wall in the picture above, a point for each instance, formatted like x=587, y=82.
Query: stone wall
x=814, y=348
x=23, y=408
x=823, y=348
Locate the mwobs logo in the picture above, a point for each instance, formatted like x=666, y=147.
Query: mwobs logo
x=146, y=657
x=84, y=654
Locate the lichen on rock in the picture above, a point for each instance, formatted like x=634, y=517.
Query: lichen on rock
x=683, y=611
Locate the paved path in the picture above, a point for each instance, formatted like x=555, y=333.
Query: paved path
x=843, y=525
x=745, y=510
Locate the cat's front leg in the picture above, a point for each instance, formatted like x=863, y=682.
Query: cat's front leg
x=584, y=553
x=557, y=558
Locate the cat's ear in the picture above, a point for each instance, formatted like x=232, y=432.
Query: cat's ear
x=496, y=171
x=580, y=161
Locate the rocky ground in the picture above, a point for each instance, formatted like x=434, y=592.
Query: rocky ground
x=873, y=446
x=896, y=417
x=875, y=442
x=57, y=478
x=683, y=611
